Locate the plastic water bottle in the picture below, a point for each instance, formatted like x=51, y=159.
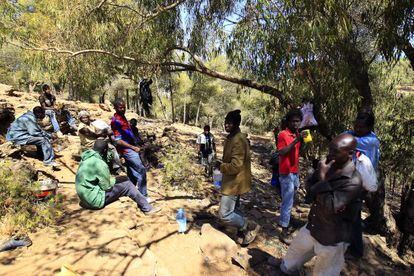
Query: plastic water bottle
x=181, y=220
x=217, y=177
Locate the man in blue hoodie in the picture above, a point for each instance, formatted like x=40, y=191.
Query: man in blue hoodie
x=26, y=131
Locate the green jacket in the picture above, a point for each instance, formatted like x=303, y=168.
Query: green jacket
x=236, y=166
x=92, y=180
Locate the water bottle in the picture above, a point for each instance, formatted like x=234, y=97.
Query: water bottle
x=181, y=220
x=217, y=177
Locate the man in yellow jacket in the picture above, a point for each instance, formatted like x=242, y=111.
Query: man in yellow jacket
x=237, y=178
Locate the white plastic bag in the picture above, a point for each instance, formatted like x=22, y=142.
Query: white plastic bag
x=369, y=177
x=308, y=117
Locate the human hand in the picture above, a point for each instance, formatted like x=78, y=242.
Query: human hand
x=217, y=164
x=136, y=149
x=304, y=133
x=324, y=167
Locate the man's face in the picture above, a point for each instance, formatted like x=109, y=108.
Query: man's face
x=294, y=123
x=84, y=119
x=48, y=90
x=40, y=115
x=360, y=128
x=206, y=131
x=341, y=155
x=120, y=108
x=229, y=126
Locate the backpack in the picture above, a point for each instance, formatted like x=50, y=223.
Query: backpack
x=366, y=170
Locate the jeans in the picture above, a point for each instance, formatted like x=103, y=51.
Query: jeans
x=228, y=214
x=53, y=120
x=356, y=248
x=136, y=170
x=44, y=148
x=126, y=188
x=288, y=184
x=329, y=258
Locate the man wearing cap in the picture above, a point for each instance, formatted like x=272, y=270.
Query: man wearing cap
x=237, y=178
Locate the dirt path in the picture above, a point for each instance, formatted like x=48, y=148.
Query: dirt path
x=120, y=240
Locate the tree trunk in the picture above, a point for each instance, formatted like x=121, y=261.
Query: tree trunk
x=32, y=86
x=172, y=100
x=159, y=98
x=185, y=108
x=406, y=218
x=127, y=98
x=198, y=113
x=408, y=50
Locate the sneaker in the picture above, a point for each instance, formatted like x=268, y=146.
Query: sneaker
x=154, y=210
x=251, y=233
x=285, y=237
x=52, y=164
x=59, y=134
x=150, y=200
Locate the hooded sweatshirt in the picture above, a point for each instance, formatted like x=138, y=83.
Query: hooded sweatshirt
x=24, y=128
x=92, y=180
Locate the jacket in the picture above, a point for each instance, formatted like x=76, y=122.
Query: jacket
x=24, y=128
x=236, y=166
x=336, y=205
x=92, y=180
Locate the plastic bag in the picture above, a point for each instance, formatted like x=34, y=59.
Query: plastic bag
x=369, y=176
x=308, y=117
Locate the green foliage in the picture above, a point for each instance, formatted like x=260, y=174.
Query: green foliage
x=19, y=210
x=180, y=170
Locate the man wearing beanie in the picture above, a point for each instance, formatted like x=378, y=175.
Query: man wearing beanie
x=237, y=177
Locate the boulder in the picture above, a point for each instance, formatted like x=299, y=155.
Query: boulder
x=215, y=245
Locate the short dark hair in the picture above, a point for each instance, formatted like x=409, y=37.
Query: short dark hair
x=367, y=118
x=100, y=145
x=45, y=87
x=118, y=101
x=38, y=109
x=133, y=121
x=294, y=113
x=207, y=127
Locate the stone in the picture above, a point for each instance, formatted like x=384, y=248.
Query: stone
x=256, y=213
x=105, y=107
x=242, y=258
x=8, y=149
x=215, y=245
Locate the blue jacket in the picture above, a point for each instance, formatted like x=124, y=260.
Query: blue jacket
x=369, y=146
x=24, y=128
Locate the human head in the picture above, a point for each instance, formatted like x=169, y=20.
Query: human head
x=232, y=120
x=293, y=119
x=341, y=149
x=364, y=123
x=101, y=146
x=46, y=88
x=133, y=122
x=39, y=112
x=84, y=117
x=206, y=129
x=119, y=106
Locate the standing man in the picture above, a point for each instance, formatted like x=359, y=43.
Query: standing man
x=26, y=131
x=207, y=148
x=127, y=146
x=237, y=178
x=47, y=100
x=335, y=190
x=288, y=146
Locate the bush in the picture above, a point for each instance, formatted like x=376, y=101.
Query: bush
x=180, y=169
x=20, y=211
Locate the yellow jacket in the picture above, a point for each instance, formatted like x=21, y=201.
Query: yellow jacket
x=236, y=166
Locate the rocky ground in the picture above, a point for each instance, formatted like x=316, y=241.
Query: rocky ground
x=120, y=240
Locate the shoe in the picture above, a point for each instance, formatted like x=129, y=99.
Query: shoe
x=285, y=237
x=150, y=200
x=154, y=210
x=272, y=261
x=15, y=243
x=250, y=233
x=59, y=134
x=52, y=164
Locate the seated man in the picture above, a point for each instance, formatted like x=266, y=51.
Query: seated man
x=88, y=134
x=26, y=131
x=148, y=149
x=207, y=146
x=335, y=189
x=97, y=189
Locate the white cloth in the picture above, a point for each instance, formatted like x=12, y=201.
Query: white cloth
x=366, y=170
x=308, y=117
x=100, y=125
x=329, y=259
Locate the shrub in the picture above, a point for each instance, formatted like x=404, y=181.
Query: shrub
x=20, y=211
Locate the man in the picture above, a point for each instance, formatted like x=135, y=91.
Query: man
x=368, y=145
x=97, y=189
x=237, y=177
x=288, y=146
x=207, y=146
x=335, y=190
x=26, y=131
x=88, y=134
x=127, y=146
x=47, y=100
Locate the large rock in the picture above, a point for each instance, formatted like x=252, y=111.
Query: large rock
x=215, y=245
